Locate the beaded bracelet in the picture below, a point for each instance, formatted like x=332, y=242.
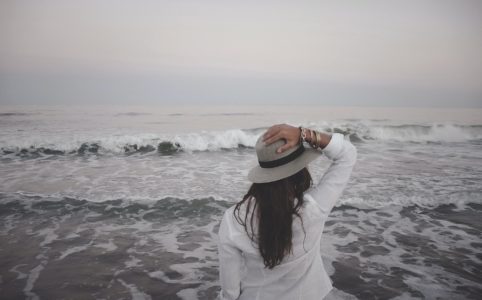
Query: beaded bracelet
x=314, y=139
x=318, y=138
x=303, y=134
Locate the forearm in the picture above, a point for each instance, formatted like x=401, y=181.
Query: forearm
x=343, y=155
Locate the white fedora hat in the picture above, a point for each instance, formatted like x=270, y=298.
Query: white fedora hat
x=273, y=166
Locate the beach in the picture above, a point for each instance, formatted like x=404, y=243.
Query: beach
x=124, y=202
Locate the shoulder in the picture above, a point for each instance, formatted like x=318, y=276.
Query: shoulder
x=229, y=227
x=240, y=209
x=237, y=214
x=229, y=212
x=228, y=217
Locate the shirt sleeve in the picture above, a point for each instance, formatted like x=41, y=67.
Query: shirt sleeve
x=230, y=262
x=328, y=190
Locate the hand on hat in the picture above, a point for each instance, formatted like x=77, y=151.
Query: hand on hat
x=282, y=131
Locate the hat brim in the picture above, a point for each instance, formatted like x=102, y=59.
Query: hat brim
x=258, y=174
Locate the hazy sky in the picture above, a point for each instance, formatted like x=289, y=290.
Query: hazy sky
x=414, y=53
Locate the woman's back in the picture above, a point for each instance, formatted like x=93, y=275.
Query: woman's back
x=291, y=278
x=300, y=274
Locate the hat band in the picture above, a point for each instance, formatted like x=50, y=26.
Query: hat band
x=284, y=160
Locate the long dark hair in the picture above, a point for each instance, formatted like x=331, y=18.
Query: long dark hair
x=276, y=208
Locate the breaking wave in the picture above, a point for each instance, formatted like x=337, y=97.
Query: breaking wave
x=358, y=132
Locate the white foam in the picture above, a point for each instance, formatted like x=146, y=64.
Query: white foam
x=403, y=132
x=215, y=140
x=336, y=294
x=49, y=234
x=109, y=246
x=76, y=249
x=20, y=275
x=430, y=279
x=32, y=277
x=460, y=200
x=133, y=262
x=187, y=294
x=162, y=276
x=136, y=294
x=434, y=132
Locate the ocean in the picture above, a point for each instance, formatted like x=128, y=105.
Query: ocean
x=124, y=202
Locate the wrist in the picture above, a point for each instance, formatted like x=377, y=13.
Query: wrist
x=305, y=134
x=314, y=138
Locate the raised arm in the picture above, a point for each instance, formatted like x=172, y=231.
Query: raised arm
x=341, y=151
x=331, y=185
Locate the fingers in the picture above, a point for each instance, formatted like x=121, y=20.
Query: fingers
x=272, y=131
x=276, y=132
x=284, y=147
x=273, y=138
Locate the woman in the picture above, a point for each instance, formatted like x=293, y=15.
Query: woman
x=269, y=243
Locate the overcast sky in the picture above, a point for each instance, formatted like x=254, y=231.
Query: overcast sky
x=410, y=53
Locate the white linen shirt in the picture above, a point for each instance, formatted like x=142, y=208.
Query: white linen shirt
x=301, y=275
